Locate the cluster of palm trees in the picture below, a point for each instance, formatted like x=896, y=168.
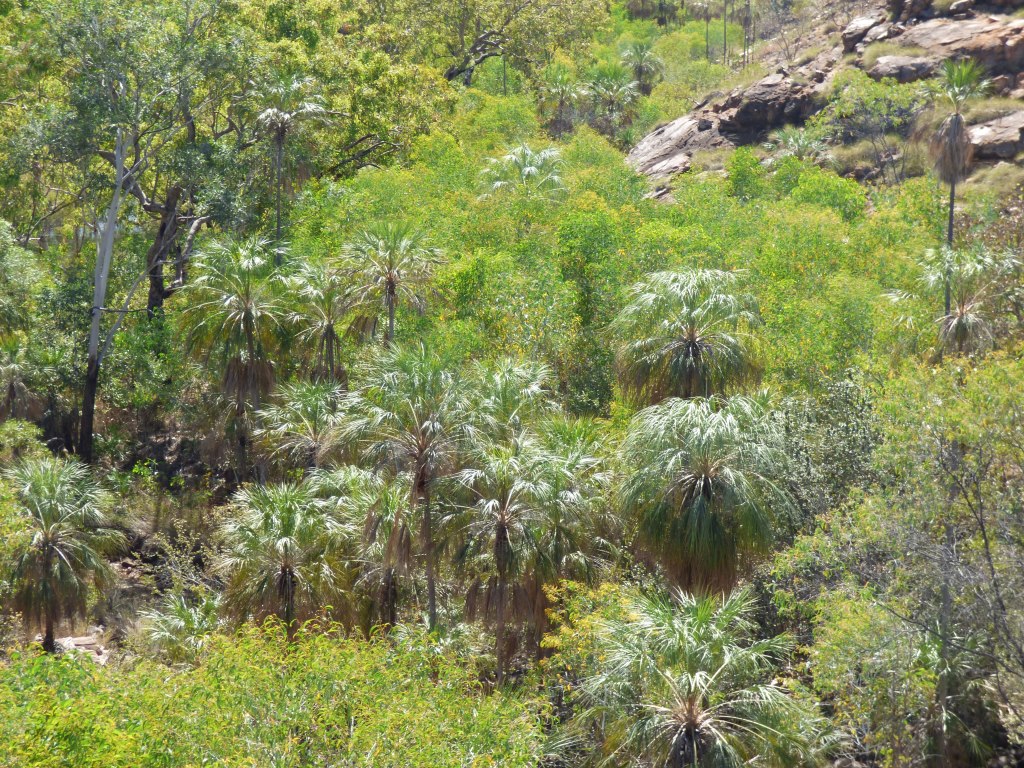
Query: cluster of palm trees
x=243, y=312
x=606, y=98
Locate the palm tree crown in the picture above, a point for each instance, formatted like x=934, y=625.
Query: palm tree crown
x=645, y=65
x=685, y=684
x=64, y=513
x=324, y=303
x=389, y=263
x=287, y=553
x=537, y=175
x=236, y=317
x=685, y=334
x=702, y=484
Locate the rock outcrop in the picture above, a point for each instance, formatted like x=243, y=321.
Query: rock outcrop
x=999, y=139
x=745, y=115
x=858, y=29
x=902, y=69
x=997, y=43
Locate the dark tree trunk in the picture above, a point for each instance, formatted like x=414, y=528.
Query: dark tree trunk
x=391, y=298
x=49, y=641
x=85, y=433
x=499, y=631
x=949, y=242
x=278, y=163
x=163, y=244
x=428, y=549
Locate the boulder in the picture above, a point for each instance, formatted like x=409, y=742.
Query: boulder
x=743, y=116
x=881, y=32
x=902, y=69
x=961, y=7
x=668, y=150
x=999, y=139
x=995, y=42
x=857, y=29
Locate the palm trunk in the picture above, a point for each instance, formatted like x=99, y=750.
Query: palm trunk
x=427, y=537
x=49, y=641
x=391, y=314
x=949, y=242
x=707, y=37
x=278, y=163
x=499, y=632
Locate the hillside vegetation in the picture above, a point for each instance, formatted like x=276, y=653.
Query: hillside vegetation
x=360, y=405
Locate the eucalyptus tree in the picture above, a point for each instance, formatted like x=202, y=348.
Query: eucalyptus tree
x=234, y=317
x=289, y=102
x=286, y=553
x=322, y=306
x=645, y=65
x=703, y=485
x=388, y=264
x=685, y=334
x=684, y=682
x=533, y=174
x=410, y=419
x=64, y=533
x=958, y=83
x=298, y=423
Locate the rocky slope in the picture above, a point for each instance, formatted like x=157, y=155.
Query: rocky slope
x=915, y=48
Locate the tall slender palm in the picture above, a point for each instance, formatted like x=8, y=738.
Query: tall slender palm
x=684, y=683
x=702, y=485
x=509, y=481
x=685, y=334
x=63, y=510
x=289, y=104
x=958, y=82
x=323, y=305
x=411, y=418
x=534, y=174
x=299, y=423
x=235, y=316
x=645, y=65
x=387, y=264
x=287, y=553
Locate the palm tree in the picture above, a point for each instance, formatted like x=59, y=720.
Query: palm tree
x=645, y=65
x=181, y=627
x=510, y=485
x=298, y=425
x=411, y=419
x=381, y=502
x=508, y=394
x=800, y=143
x=559, y=93
x=536, y=175
x=685, y=334
x=288, y=105
x=977, y=282
x=389, y=263
x=63, y=510
x=702, y=485
x=236, y=317
x=323, y=304
x=613, y=93
x=958, y=82
x=287, y=553
x=684, y=683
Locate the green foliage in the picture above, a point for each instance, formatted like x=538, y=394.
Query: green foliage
x=253, y=701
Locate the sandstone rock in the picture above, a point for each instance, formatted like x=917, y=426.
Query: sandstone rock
x=1002, y=85
x=961, y=6
x=903, y=69
x=999, y=139
x=996, y=42
x=881, y=32
x=743, y=116
x=857, y=29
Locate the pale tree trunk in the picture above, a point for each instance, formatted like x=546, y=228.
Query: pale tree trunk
x=278, y=166
x=949, y=242
x=101, y=276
